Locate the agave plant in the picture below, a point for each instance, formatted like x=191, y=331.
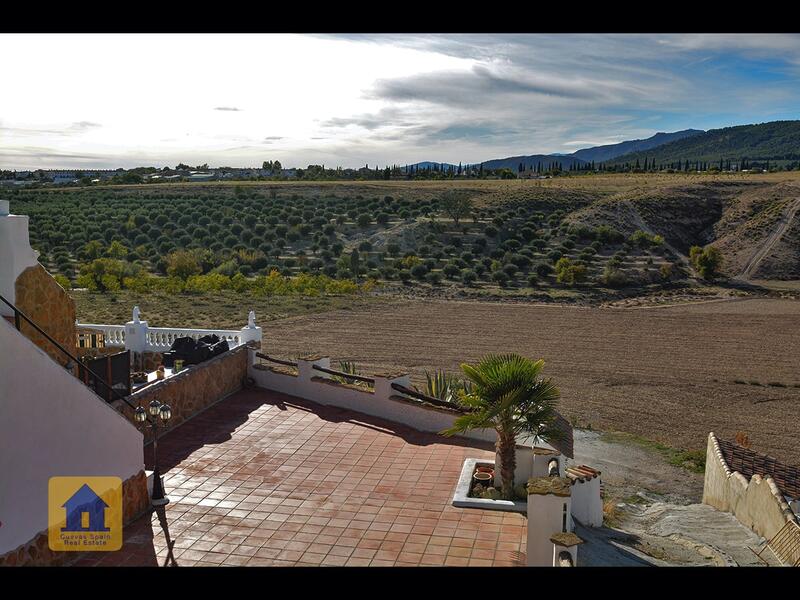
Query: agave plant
x=349, y=368
x=445, y=386
x=510, y=396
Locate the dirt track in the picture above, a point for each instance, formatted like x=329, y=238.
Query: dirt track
x=769, y=243
x=666, y=374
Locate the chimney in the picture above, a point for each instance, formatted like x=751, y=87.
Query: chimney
x=16, y=253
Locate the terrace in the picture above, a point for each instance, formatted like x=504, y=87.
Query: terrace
x=265, y=460
x=268, y=479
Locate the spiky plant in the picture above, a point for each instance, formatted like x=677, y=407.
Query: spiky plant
x=445, y=386
x=349, y=368
x=510, y=396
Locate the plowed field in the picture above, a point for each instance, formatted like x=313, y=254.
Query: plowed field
x=667, y=374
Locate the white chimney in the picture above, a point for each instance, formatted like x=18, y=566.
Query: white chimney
x=16, y=253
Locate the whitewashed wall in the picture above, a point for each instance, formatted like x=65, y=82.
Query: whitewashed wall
x=51, y=425
x=379, y=403
x=545, y=517
x=587, y=505
x=16, y=253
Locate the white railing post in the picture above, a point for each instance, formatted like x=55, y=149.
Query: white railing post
x=305, y=371
x=136, y=333
x=251, y=333
x=383, y=384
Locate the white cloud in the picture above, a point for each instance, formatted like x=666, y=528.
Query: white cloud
x=349, y=100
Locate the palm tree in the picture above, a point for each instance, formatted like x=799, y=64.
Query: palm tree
x=508, y=395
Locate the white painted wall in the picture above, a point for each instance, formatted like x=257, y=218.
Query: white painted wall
x=587, y=505
x=545, y=517
x=16, y=253
x=378, y=404
x=51, y=425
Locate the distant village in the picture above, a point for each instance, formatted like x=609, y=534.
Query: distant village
x=138, y=175
x=269, y=171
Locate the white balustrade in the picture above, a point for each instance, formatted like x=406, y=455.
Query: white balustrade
x=159, y=339
x=113, y=335
x=137, y=336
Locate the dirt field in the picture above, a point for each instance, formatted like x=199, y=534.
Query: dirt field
x=667, y=374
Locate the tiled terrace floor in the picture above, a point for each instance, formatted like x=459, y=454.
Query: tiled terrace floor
x=267, y=479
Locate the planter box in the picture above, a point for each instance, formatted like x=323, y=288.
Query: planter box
x=461, y=497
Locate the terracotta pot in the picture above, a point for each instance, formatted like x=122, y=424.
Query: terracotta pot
x=485, y=470
x=484, y=479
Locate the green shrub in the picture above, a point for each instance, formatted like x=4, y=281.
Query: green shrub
x=419, y=271
x=500, y=277
x=433, y=278
x=570, y=272
x=706, y=262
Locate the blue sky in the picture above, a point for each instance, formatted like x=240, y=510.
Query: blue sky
x=350, y=100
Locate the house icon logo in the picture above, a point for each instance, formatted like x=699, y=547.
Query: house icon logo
x=85, y=513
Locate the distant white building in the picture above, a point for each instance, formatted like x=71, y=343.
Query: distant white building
x=201, y=176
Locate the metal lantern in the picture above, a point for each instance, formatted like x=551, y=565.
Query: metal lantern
x=155, y=407
x=140, y=414
x=165, y=412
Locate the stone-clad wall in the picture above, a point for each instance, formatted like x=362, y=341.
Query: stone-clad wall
x=757, y=503
x=48, y=305
x=37, y=552
x=193, y=389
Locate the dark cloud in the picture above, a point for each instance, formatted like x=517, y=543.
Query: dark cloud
x=386, y=117
x=228, y=108
x=476, y=87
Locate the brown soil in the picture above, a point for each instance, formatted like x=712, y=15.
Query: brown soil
x=670, y=374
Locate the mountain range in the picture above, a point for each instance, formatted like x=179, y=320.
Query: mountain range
x=774, y=141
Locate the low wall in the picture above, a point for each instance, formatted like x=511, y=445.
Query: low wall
x=193, y=389
x=587, y=504
x=381, y=401
x=757, y=503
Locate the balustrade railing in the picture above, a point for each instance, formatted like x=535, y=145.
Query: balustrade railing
x=113, y=335
x=160, y=339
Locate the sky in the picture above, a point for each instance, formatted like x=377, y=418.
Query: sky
x=126, y=100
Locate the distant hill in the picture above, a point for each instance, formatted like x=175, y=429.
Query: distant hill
x=611, y=151
x=587, y=155
x=532, y=160
x=774, y=141
x=427, y=163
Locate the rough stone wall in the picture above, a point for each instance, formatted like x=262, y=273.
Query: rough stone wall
x=37, y=552
x=193, y=389
x=757, y=504
x=149, y=360
x=49, y=306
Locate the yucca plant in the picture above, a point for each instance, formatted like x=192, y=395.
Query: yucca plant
x=508, y=395
x=445, y=386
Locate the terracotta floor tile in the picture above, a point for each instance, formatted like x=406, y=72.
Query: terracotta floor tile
x=308, y=484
